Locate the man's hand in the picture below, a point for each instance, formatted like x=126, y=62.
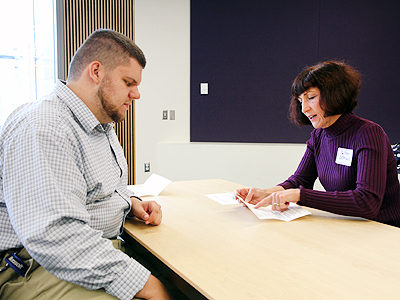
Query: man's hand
x=153, y=290
x=148, y=211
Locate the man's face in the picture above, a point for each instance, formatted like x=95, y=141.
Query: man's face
x=118, y=89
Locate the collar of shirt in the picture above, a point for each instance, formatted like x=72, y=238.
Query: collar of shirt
x=344, y=122
x=80, y=110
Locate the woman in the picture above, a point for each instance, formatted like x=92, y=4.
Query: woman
x=351, y=156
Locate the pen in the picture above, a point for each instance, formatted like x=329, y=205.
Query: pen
x=243, y=202
x=240, y=198
x=247, y=204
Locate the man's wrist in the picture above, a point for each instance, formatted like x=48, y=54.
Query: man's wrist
x=133, y=199
x=136, y=197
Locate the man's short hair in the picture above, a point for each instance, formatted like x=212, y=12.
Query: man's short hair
x=107, y=46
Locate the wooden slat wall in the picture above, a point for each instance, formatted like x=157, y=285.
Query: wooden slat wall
x=82, y=17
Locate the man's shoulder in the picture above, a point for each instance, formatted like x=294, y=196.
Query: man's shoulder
x=47, y=115
x=49, y=110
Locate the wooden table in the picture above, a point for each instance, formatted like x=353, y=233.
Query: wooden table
x=226, y=252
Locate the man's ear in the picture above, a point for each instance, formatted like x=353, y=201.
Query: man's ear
x=95, y=71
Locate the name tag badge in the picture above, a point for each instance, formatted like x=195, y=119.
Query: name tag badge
x=344, y=156
x=17, y=264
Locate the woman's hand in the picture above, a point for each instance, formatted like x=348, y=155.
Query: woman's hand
x=280, y=200
x=255, y=195
x=250, y=195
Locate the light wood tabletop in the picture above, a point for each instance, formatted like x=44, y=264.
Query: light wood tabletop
x=226, y=252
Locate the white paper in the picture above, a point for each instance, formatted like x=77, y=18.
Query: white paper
x=264, y=212
x=153, y=186
x=223, y=198
x=293, y=212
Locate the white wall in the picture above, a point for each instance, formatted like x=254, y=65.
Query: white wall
x=162, y=30
x=262, y=165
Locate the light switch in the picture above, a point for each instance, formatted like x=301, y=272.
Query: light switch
x=172, y=114
x=204, y=88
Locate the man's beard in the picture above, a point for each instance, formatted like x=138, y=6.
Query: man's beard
x=108, y=108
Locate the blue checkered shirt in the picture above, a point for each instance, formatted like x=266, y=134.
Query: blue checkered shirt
x=64, y=193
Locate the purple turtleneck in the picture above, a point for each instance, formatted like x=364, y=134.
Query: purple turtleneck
x=368, y=188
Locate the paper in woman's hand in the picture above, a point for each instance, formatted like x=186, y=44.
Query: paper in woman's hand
x=265, y=212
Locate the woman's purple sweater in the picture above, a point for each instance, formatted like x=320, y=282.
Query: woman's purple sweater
x=369, y=188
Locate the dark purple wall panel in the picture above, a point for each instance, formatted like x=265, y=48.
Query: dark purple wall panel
x=250, y=51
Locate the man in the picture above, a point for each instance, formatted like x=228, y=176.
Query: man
x=64, y=195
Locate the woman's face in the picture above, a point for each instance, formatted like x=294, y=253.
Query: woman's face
x=310, y=106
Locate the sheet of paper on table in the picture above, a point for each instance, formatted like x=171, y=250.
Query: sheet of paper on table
x=293, y=212
x=153, y=186
x=223, y=198
x=265, y=212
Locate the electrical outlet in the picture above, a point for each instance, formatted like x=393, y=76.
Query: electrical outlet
x=147, y=166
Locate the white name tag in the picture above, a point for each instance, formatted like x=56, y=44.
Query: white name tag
x=344, y=156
